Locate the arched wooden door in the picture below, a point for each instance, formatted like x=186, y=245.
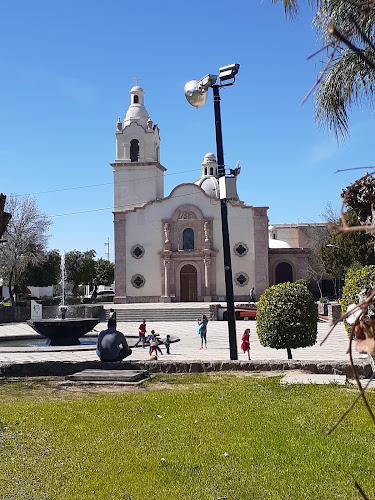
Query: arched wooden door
x=188, y=283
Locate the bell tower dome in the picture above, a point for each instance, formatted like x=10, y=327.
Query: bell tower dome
x=138, y=176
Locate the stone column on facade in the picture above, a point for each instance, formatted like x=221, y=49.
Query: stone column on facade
x=126, y=151
x=120, y=257
x=167, y=293
x=207, y=281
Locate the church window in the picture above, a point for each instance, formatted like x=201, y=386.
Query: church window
x=135, y=99
x=188, y=239
x=241, y=249
x=138, y=281
x=241, y=279
x=134, y=150
x=137, y=251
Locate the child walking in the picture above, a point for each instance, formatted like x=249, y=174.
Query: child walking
x=154, y=345
x=245, y=346
x=167, y=343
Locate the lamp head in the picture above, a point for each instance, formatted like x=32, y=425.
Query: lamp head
x=195, y=94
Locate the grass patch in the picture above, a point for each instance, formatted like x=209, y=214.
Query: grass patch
x=201, y=437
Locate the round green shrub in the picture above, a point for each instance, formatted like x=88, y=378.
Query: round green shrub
x=355, y=281
x=287, y=317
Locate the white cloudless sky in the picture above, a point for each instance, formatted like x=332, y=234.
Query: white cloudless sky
x=66, y=71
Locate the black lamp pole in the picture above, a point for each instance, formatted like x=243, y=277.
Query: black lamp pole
x=225, y=231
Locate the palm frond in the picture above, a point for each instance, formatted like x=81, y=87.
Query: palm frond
x=349, y=81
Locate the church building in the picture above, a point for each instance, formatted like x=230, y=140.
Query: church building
x=169, y=248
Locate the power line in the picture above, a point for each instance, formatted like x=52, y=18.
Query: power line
x=119, y=207
x=102, y=184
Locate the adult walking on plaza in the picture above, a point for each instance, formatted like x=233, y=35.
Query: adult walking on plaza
x=112, y=345
x=202, y=330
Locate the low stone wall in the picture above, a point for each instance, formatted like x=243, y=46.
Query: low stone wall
x=10, y=314
x=63, y=368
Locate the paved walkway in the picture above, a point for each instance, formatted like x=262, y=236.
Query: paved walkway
x=334, y=349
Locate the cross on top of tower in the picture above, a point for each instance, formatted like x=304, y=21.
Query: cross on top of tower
x=136, y=79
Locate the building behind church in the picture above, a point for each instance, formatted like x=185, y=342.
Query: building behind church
x=169, y=248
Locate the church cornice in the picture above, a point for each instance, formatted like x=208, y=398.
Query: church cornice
x=120, y=163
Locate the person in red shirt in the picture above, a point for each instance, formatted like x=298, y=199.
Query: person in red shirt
x=142, y=334
x=245, y=346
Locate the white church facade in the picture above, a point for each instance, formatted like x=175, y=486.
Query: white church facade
x=169, y=248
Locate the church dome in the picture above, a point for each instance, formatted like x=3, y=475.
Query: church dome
x=208, y=181
x=136, y=111
x=272, y=243
x=209, y=157
x=210, y=185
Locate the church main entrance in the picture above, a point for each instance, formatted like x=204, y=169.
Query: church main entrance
x=189, y=283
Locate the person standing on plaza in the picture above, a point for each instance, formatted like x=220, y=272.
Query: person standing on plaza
x=251, y=296
x=167, y=343
x=142, y=333
x=245, y=346
x=202, y=330
x=112, y=345
x=154, y=345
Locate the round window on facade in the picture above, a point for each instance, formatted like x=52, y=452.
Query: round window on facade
x=240, y=249
x=138, y=281
x=137, y=251
x=241, y=279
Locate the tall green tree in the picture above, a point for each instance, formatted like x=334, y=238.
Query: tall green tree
x=80, y=268
x=356, y=248
x=26, y=235
x=104, y=272
x=45, y=271
x=350, y=70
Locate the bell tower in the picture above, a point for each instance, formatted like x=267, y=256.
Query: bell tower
x=138, y=176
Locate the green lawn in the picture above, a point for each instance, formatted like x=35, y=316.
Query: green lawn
x=184, y=437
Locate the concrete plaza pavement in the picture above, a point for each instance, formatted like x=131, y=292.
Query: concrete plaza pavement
x=187, y=349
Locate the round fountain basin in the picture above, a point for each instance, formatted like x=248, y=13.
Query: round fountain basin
x=63, y=331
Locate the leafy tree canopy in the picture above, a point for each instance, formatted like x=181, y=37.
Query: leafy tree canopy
x=104, y=272
x=355, y=247
x=44, y=272
x=80, y=268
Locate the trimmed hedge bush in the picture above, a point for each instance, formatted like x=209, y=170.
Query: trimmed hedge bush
x=355, y=281
x=287, y=317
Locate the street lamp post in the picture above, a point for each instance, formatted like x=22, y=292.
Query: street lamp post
x=196, y=94
x=339, y=268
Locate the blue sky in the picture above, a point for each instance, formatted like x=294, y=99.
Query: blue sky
x=66, y=71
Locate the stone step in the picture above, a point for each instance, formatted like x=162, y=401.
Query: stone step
x=159, y=314
x=109, y=376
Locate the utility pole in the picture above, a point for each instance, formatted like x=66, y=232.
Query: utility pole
x=107, y=245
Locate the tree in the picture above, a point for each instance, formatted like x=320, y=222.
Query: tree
x=346, y=28
x=287, y=317
x=44, y=272
x=355, y=247
x=80, y=268
x=104, y=272
x=27, y=236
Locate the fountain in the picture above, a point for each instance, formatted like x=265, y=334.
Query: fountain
x=63, y=331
